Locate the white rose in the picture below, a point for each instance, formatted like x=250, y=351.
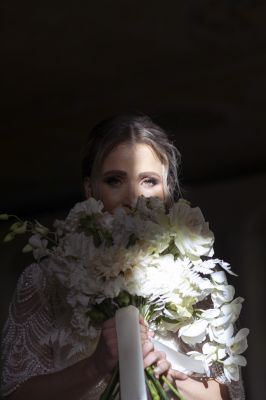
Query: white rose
x=88, y=207
x=191, y=232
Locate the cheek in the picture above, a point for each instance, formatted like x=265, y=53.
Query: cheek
x=110, y=198
x=156, y=191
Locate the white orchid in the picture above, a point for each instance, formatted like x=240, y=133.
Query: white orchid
x=194, y=333
x=238, y=344
x=213, y=352
x=220, y=334
x=233, y=309
x=231, y=366
x=222, y=294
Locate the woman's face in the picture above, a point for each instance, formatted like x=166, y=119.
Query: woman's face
x=130, y=171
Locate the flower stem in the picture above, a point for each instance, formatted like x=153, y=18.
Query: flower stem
x=115, y=392
x=156, y=382
x=172, y=388
x=111, y=385
x=152, y=389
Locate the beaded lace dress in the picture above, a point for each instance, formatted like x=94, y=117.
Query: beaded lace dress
x=25, y=353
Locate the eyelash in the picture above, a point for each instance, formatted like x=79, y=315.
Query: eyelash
x=150, y=181
x=114, y=181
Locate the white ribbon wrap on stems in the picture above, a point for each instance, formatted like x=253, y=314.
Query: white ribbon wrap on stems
x=179, y=361
x=131, y=367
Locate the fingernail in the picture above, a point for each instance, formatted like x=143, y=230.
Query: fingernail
x=157, y=371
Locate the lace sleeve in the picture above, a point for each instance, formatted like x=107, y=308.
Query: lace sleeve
x=235, y=388
x=29, y=320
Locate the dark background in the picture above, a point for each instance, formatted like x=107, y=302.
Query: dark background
x=196, y=66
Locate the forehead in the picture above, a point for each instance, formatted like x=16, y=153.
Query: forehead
x=135, y=157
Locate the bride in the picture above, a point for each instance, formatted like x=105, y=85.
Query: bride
x=125, y=157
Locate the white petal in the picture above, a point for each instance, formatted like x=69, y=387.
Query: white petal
x=195, y=329
x=219, y=277
x=211, y=313
x=241, y=334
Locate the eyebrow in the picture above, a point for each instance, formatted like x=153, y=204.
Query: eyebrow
x=114, y=172
x=123, y=173
x=149, y=173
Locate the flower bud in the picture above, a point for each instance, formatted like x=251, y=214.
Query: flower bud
x=15, y=225
x=96, y=316
x=20, y=228
x=10, y=236
x=42, y=230
x=27, y=249
x=123, y=299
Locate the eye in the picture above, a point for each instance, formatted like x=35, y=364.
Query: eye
x=150, y=181
x=113, y=181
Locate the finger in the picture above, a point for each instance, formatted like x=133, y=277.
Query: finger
x=153, y=357
x=177, y=375
x=144, y=326
x=150, y=333
x=144, y=329
x=146, y=332
x=161, y=367
x=143, y=321
x=147, y=347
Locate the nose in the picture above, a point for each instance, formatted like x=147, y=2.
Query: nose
x=132, y=192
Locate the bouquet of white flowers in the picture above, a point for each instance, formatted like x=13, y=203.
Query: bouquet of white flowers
x=159, y=260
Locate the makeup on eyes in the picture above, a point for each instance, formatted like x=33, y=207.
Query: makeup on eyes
x=115, y=177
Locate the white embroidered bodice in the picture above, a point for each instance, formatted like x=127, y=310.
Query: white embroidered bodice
x=26, y=353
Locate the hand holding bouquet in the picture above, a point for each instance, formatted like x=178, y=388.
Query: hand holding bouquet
x=157, y=260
